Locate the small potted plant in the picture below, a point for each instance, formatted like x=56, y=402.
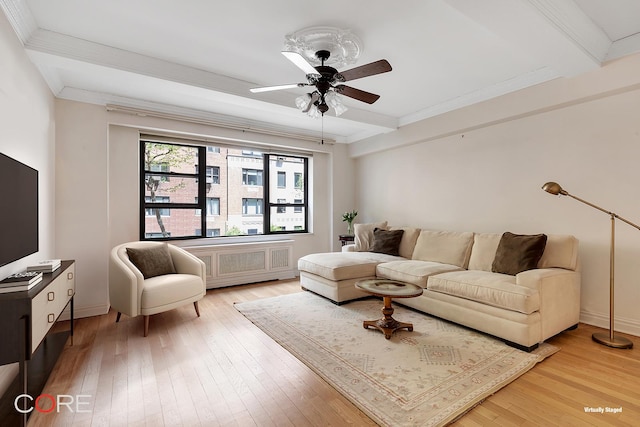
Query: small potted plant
x=349, y=217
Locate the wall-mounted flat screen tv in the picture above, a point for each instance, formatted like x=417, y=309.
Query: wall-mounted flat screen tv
x=18, y=210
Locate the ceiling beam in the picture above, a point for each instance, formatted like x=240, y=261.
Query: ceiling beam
x=51, y=50
x=557, y=34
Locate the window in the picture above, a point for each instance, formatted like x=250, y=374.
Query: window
x=213, y=174
x=169, y=187
x=196, y=191
x=212, y=206
x=251, y=177
x=160, y=167
x=279, y=197
x=154, y=211
x=251, y=206
x=215, y=232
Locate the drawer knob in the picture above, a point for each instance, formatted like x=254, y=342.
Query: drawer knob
x=51, y=318
x=51, y=296
x=70, y=292
x=69, y=276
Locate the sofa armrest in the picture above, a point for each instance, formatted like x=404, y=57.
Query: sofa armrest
x=535, y=278
x=559, y=291
x=349, y=248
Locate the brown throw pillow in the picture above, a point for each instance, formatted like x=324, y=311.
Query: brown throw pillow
x=152, y=261
x=387, y=242
x=518, y=252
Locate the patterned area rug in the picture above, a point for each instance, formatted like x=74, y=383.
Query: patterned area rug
x=427, y=377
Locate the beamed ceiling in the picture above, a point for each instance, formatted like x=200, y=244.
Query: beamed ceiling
x=200, y=58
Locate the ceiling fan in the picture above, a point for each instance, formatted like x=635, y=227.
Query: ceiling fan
x=328, y=81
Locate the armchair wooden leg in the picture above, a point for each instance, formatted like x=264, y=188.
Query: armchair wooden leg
x=195, y=304
x=118, y=317
x=146, y=325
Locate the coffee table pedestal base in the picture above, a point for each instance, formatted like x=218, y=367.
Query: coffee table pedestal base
x=387, y=325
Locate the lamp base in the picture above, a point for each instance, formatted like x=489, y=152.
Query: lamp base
x=616, y=342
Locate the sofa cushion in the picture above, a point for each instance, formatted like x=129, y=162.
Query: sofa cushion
x=561, y=251
x=343, y=265
x=447, y=247
x=364, y=235
x=408, y=242
x=412, y=271
x=387, y=241
x=518, y=252
x=496, y=289
x=483, y=251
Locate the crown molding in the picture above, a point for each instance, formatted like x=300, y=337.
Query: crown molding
x=565, y=38
x=623, y=47
x=145, y=108
x=521, y=82
x=576, y=25
x=20, y=17
x=51, y=50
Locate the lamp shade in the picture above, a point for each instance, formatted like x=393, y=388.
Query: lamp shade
x=554, y=188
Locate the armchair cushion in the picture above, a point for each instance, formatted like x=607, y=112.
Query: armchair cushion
x=152, y=261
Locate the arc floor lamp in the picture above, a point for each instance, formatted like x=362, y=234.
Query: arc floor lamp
x=599, y=337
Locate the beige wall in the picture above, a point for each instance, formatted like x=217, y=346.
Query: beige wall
x=479, y=168
x=27, y=129
x=81, y=200
x=97, y=188
x=482, y=168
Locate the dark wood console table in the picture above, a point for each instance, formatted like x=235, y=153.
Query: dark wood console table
x=25, y=321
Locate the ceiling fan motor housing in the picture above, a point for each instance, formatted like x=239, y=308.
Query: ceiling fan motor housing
x=326, y=79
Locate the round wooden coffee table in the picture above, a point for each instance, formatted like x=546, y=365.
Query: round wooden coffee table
x=388, y=289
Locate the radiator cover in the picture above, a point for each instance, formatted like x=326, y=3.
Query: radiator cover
x=241, y=263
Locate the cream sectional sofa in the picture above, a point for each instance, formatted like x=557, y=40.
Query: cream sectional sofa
x=455, y=271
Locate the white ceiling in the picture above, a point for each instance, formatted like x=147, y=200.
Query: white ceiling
x=200, y=57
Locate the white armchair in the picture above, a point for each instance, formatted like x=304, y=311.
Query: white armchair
x=146, y=278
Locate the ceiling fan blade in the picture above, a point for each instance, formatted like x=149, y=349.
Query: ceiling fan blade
x=373, y=68
x=358, y=94
x=280, y=87
x=300, y=62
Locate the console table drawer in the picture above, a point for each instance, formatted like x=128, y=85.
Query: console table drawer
x=48, y=304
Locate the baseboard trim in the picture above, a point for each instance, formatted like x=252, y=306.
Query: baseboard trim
x=625, y=325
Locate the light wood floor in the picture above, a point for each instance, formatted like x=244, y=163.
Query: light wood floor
x=221, y=370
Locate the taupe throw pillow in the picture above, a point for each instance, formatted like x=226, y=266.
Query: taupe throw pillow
x=518, y=252
x=152, y=261
x=387, y=242
x=364, y=235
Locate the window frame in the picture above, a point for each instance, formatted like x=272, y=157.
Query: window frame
x=268, y=204
x=166, y=176
x=200, y=175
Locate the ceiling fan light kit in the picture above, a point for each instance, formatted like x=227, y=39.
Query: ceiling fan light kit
x=328, y=82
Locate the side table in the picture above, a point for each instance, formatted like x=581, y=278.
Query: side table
x=345, y=239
